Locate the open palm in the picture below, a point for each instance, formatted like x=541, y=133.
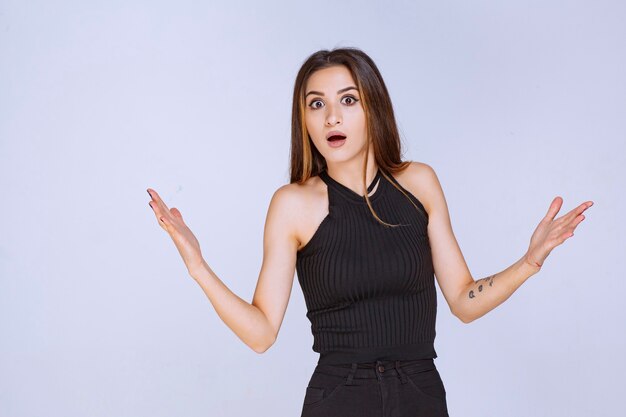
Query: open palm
x=550, y=233
x=171, y=220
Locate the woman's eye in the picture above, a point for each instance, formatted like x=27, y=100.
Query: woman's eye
x=312, y=104
x=352, y=100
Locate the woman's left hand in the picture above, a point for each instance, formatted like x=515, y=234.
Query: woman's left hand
x=551, y=233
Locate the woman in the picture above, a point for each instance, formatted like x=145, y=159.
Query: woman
x=367, y=233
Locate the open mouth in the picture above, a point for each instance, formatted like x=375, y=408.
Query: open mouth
x=336, y=138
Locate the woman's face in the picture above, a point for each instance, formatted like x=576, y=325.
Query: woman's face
x=333, y=104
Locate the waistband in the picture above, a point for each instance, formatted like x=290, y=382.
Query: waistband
x=410, y=351
x=377, y=369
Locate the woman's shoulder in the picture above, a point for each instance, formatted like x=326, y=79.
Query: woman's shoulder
x=305, y=204
x=302, y=193
x=414, y=169
x=420, y=179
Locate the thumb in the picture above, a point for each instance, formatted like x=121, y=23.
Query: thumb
x=555, y=206
x=176, y=213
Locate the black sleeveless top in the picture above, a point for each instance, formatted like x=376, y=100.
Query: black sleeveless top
x=369, y=288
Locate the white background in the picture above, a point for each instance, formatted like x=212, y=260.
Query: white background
x=511, y=104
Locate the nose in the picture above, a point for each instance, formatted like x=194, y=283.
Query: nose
x=333, y=116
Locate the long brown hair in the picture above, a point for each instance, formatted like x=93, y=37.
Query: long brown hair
x=382, y=131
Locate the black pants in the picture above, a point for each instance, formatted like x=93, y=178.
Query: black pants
x=378, y=389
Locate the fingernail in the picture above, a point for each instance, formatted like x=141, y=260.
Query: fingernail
x=150, y=205
x=149, y=193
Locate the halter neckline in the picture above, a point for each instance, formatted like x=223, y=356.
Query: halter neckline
x=351, y=194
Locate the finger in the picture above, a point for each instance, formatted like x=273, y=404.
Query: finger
x=156, y=198
x=555, y=206
x=155, y=207
x=577, y=211
x=164, y=223
x=163, y=210
x=152, y=203
x=157, y=213
x=575, y=222
x=578, y=220
x=175, y=212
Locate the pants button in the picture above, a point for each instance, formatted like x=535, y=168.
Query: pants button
x=381, y=368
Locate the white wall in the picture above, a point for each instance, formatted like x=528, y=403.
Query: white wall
x=511, y=104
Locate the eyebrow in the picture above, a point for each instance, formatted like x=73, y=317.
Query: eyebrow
x=338, y=92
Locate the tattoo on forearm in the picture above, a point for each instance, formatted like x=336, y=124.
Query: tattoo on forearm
x=488, y=280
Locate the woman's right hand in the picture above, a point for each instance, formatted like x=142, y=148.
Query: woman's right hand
x=171, y=220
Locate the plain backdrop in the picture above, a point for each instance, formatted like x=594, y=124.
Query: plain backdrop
x=512, y=104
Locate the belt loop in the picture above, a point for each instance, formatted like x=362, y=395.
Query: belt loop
x=376, y=369
x=401, y=372
x=351, y=374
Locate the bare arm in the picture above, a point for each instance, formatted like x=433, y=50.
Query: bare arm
x=247, y=321
x=486, y=294
x=482, y=296
x=469, y=299
x=256, y=323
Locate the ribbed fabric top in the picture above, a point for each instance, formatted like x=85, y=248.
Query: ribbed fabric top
x=369, y=288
